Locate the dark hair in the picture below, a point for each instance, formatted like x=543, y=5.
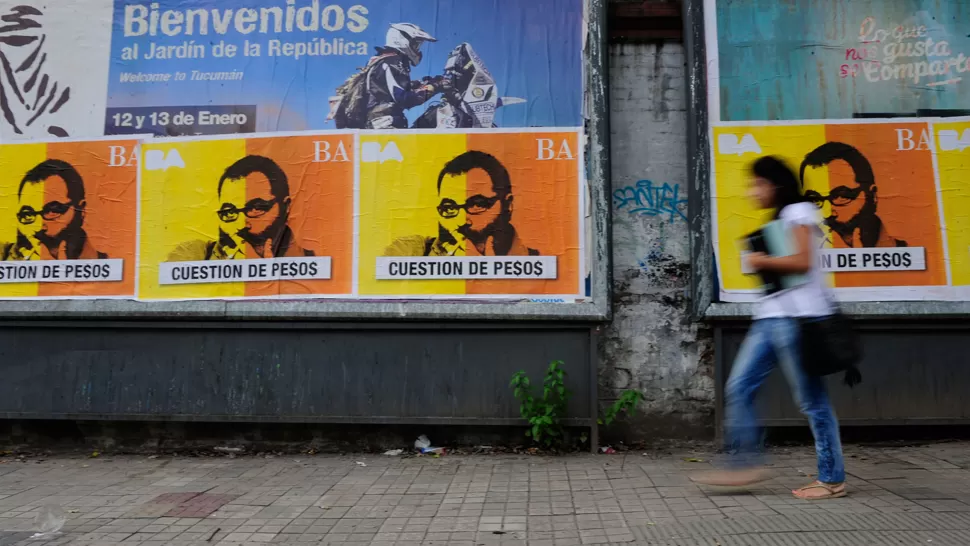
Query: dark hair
x=278, y=183
x=62, y=169
x=787, y=189
x=831, y=151
x=501, y=182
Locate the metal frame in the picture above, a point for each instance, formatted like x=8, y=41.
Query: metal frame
x=196, y=324
x=698, y=168
x=336, y=420
x=598, y=155
x=594, y=411
x=600, y=270
x=876, y=310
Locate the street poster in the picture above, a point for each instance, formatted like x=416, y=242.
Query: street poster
x=876, y=189
x=68, y=219
x=471, y=215
x=247, y=217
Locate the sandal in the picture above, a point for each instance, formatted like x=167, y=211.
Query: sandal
x=820, y=491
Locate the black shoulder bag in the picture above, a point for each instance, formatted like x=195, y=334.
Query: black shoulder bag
x=830, y=345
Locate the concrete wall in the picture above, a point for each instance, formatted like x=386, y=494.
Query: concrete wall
x=652, y=345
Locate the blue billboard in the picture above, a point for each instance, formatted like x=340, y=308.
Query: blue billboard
x=183, y=67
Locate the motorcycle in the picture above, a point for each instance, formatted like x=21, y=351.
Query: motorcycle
x=469, y=98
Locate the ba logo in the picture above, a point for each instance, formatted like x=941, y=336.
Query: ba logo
x=729, y=144
x=119, y=156
x=550, y=150
x=952, y=140
x=157, y=160
x=371, y=152
x=325, y=152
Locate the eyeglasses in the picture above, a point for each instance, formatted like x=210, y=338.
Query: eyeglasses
x=839, y=197
x=51, y=211
x=475, y=205
x=253, y=209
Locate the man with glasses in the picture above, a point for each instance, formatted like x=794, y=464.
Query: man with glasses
x=254, y=206
x=50, y=216
x=852, y=205
x=474, y=212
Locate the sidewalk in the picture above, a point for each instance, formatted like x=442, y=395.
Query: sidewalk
x=918, y=495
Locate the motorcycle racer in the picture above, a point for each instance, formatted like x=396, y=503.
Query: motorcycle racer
x=378, y=96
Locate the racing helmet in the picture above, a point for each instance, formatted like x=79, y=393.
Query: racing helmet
x=407, y=39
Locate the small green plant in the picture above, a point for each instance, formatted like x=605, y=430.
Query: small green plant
x=626, y=403
x=544, y=414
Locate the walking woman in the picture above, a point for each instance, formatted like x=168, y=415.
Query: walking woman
x=774, y=340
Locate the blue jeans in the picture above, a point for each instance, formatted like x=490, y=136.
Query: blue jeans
x=769, y=342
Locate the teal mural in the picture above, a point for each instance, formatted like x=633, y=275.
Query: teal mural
x=841, y=59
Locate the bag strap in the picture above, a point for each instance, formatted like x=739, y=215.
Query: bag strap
x=852, y=375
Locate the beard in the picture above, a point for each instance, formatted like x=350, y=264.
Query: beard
x=861, y=220
x=70, y=230
x=499, y=229
x=271, y=232
x=843, y=229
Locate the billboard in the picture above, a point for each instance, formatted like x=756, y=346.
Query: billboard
x=868, y=103
x=205, y=67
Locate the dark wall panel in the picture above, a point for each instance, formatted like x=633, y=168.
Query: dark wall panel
x=288, y=373
x=912, y=373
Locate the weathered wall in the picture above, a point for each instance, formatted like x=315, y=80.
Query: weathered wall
x=652, y=345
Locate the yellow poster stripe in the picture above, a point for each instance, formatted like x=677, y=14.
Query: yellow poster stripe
x=953, y=164
x=178, y=207
x=15, y=161
x=398, y=200
x=735, y=148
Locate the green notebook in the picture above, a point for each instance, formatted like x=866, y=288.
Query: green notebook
x=775, y=239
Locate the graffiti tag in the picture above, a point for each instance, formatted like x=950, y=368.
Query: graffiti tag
x=647, y=199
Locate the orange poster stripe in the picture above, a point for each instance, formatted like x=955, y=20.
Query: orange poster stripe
x=544, y=210
x=320, y=174
x=904, y=200
x=109, y=171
